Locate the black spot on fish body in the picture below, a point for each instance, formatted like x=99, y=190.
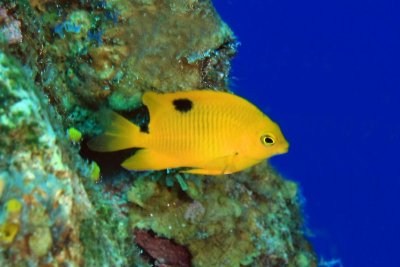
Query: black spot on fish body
x=183, y=104
x=144, y=128
x=141, y=117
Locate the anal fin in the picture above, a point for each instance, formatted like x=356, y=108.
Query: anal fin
x=147, y=159
x=206, y=171
x=219, y=166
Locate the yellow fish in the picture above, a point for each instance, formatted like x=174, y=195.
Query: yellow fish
x=203, y=131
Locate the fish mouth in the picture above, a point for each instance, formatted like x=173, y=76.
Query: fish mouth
x=285, y=148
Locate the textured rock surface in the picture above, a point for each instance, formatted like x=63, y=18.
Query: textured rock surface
x=36, y=172
x=247, y=218
x=60, y=61
x=109, y=53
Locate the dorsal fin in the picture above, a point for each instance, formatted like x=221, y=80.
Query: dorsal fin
x=156, y=103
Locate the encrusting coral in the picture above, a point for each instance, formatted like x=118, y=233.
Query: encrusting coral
x=61, y=204
x=38, y=186
x=226, y=221
x=43, y=203
x=111, y=52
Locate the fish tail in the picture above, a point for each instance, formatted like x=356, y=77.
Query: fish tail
x=119, y=134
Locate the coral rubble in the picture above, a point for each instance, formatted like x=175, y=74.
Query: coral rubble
x=60, y=204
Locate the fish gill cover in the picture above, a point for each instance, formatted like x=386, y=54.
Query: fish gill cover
x=62, y=204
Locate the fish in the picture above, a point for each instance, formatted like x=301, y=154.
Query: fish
x=199, y=132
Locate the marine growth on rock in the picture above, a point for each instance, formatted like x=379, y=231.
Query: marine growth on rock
x=62, y=204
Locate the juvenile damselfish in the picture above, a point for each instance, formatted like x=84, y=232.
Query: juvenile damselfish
x=200, y=131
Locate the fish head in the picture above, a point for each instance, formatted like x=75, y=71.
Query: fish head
x=265, y=140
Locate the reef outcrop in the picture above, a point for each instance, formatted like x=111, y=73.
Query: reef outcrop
x=60, y=204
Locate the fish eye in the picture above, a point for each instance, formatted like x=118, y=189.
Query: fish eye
x=267, y=140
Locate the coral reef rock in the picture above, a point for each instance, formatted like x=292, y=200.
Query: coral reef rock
x=63, y=205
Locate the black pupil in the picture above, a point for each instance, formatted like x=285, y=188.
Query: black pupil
x=268, y=140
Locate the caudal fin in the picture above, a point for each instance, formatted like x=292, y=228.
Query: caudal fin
x=119, y=134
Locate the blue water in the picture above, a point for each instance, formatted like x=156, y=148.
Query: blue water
x=328, y=72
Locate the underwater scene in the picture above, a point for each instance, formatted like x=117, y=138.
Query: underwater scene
x=179, y=133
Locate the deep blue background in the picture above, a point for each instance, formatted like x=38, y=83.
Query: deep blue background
x=328, y=73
